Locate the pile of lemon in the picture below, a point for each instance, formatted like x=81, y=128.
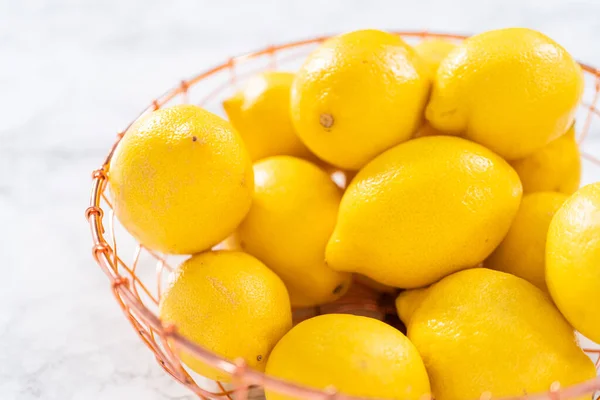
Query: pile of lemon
x=460, y=161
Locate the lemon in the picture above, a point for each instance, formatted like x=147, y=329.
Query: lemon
x=522, y=252
x=433, y=51
x=358, y=356
x=481, y=330
x=573, y=260
x=229, y=303
x=511, y=90
x=294, y=208
x=260, y=112
x=357, y=95
x=555, y=167
x=422, y=210
x=181, y=180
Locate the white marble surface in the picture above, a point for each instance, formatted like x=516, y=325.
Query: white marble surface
x=72, y=74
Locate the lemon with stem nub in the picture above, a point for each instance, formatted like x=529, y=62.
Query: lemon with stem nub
x=422, y=210
x=294, y=209
x=512, y=90
x=181, y=180
x=357, y=95
x=229, y=303
x=481, y=330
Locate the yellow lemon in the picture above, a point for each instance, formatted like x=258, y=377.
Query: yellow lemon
x=523, y=250
x=433, y=51
x=511, y=90
x=229, y=303
x=556, y=166
x=481, y=331
x=260, y=112
x=358, y=356
x=573, y=260
x=181, y=180
x=357, y=95
x=294, y=208
x=422, y=210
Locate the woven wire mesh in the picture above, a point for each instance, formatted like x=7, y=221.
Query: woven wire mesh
x=138, y=274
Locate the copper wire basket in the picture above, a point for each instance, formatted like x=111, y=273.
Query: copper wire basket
x=136, y=282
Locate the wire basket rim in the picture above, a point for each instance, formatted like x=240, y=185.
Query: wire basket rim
x=242, y=375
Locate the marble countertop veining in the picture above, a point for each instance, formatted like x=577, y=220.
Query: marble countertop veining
x=72, y=74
